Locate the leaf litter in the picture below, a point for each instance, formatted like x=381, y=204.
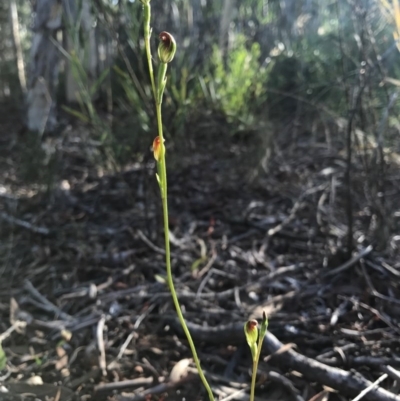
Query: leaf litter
x=83, y=272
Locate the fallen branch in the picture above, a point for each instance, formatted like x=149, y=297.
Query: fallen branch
x=362, y=254
x=158, y=389
x=124, y=384
x=347, y=383
x=24, y=224
x=45, y=304
x=370, y=387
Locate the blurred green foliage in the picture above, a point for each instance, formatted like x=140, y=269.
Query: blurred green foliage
x=282, y=58
x=239, y=83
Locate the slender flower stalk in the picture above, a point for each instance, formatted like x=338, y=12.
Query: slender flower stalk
x=166, y=52
x=147, y=35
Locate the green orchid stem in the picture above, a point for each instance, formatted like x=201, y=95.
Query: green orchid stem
x=162, y=168
x=253, y=379
x=161, y=82
x=147, y=34
x=255, y=368
x=162, y=171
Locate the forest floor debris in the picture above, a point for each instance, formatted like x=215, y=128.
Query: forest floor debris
x=82, y=266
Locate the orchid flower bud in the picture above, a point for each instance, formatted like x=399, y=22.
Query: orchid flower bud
x=166, y=48
x=251, y=332
x=158, y=148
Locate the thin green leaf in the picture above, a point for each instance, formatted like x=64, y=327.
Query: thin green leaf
x=76, y=114
x=94, y=88
x=3, y=358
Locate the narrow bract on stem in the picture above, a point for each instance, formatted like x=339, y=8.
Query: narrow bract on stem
x=264, y=327
x=158, y=148
x=166, y=53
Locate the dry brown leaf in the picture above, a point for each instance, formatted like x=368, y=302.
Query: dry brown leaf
x=14, y=308
x=18, y=318
x=62, y=358
x=179, y=371
x=322, y=396
x=35, y=381
x=281, y=350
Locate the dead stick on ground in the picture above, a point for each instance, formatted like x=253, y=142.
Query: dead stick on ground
x=155, y=248
x=345, y=382
x=160, y=388
x=24, y=224
x=10, y=330
x=370, y=387
x=234, y=395
x=350, y=262
x=124, y=384
x=152, y=246
x=47, y=305
x=100, y=345
x=392, y=372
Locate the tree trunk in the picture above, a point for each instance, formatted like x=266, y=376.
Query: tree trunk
x=17, y=45
x=43, y=69
x=84, y=46
x=227, y=14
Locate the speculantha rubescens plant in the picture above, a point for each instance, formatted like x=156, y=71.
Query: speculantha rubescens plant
x=166, y=53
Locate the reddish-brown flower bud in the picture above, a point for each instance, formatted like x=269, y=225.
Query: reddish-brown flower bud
x=251, y=333
x=166, y=48
x=158, y=148
x=251, y=326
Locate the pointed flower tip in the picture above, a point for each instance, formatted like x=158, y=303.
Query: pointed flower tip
x=166, y=48
x=158, y=148
x=264, y=326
